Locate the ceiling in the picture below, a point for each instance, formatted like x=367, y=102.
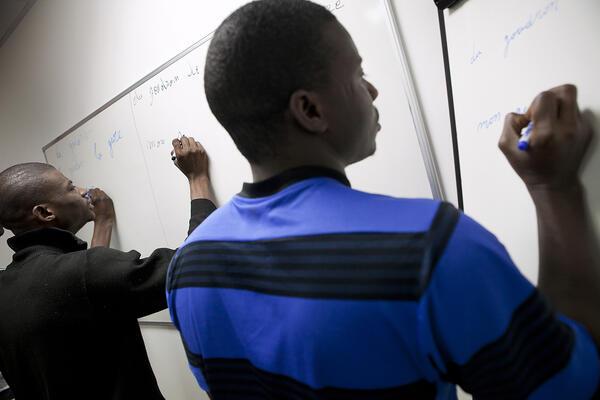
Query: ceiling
x=11, y=14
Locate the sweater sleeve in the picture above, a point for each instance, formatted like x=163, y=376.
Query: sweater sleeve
x=200, y=209
x=123, y=284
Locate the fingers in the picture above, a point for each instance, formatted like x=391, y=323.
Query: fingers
x=97, y=195
x=568, y=108
x=186, y=143
x=177, y=148
x=198, y=146
x=187, y=149
x=513, y=125
x=588, y=120
x=544, y=114
x=549, y=108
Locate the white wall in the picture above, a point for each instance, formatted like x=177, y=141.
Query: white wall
x=69, y=57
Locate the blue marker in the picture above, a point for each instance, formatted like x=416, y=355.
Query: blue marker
x=88, y=195
x=524, y=141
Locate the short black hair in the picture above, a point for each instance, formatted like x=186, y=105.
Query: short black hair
x=258, y=57
x=22, y=187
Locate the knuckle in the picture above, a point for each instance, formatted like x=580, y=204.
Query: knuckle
x=503, y=143
x=568, y=91
x=546, y=96
x=509, y=118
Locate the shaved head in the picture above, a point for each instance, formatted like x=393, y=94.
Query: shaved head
x=22, y=187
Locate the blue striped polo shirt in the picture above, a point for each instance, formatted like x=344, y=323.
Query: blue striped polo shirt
x=303, y=288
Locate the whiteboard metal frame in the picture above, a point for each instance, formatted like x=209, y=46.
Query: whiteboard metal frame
x=415, y=106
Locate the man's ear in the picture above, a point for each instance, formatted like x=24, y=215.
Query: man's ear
x=307, y=110
x=42, y=213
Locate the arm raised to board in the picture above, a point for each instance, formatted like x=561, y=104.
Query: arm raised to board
x=569, y=267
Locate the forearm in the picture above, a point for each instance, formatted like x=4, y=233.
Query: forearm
x=569, y=272
x=102, y=234
x=202, y=201
x=200, y=188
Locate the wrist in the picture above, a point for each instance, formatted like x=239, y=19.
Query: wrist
x=198, y=178
x=104, y=222
x=200, y=187
x=551, y=193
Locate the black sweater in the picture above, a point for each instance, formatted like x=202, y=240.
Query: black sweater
x=68, y=316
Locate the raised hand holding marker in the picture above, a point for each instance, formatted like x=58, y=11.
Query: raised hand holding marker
x=524, y=141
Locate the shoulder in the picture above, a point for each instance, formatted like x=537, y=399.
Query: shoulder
x=473, y=254
x=314, y=212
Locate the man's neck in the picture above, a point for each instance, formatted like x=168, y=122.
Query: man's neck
x=263, y=171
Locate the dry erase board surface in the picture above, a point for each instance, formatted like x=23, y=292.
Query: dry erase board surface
x=502, y=54
x=125, y=148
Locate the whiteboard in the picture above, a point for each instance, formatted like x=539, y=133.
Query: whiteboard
x=124, y=147
x=502, y=54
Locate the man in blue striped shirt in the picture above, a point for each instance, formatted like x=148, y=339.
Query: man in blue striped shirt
x=303, y=288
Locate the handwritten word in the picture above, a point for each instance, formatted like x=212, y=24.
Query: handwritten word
x=195, y=70
x=74, y=143
x=78, y=138
x=137, y=97
x=58, y=154
x=154, y=144
x=75, y=167
x=489, y=122
x=163, y=86
x=114, y=139
x=335, y=6
x=539, y=15
x=97, y=154
x=476, y=55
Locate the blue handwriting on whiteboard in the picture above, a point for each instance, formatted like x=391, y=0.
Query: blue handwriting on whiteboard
x=97, y=154
x=75, y=167
x=489, y=122
x=521, y=110
x=476, y=54
x=533, y=19
x=58, y=154
x=75, y=142
x=114, y=139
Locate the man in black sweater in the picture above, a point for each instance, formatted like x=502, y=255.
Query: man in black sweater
x=68, y=315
